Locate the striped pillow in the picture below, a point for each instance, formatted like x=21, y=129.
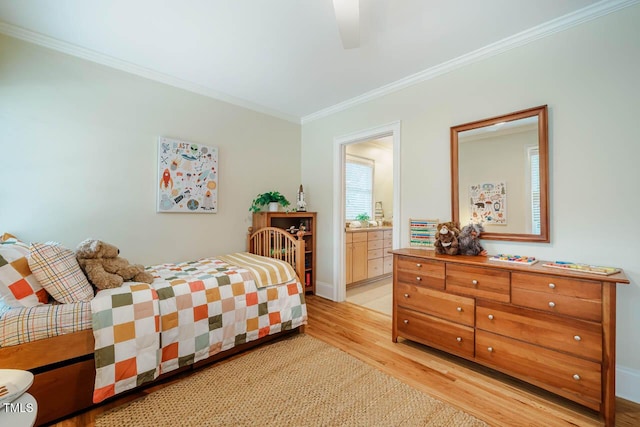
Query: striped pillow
x=57, y=269
x=18, y=286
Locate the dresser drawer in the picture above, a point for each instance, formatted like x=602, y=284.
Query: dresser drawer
x=416, y=271
x=388, y=234
x=566, y=375
x=375, y=267
x=387, y=243
x=375, y=235
x=411, y=278
x=360, y=236
x=571, y=297
x=447, y=306
x=577, y=337
x=387, y=264
x=375, y=244
x=375, y=253
x=438, y=333
x=479, y=282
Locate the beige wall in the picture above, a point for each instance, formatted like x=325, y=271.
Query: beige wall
x=588, y=75
x=78, y=157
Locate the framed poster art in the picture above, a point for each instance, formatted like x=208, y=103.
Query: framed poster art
x=422, y=233
x=488, y=203
x=187, y=178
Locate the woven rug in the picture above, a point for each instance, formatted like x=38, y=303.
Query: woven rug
x=299, y=381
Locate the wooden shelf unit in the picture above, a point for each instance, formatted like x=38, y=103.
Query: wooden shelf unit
x=285, y=220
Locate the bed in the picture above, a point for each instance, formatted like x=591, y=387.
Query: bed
x=193, y=314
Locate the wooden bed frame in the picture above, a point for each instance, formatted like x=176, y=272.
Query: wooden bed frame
x=64, y=367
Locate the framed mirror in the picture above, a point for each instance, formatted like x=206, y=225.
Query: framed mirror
x=500, y=175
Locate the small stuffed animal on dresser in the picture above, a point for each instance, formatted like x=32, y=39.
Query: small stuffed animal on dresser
x=469, y=240
x=104, y=268
x=447, y=238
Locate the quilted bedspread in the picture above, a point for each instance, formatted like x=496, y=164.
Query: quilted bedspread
x=191, y=311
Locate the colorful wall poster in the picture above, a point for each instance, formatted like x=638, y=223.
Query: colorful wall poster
x=488, y=203
x=187, y=177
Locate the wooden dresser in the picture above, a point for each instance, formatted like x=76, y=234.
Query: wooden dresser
x=548, y=327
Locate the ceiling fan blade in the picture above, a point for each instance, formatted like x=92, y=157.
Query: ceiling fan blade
x=348, y=17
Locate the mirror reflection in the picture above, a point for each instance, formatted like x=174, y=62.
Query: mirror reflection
x=500, y=175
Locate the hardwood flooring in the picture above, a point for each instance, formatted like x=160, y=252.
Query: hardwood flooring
x=495, y=398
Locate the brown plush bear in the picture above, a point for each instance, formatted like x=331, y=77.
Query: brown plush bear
x=447, y=238
x=104, y=268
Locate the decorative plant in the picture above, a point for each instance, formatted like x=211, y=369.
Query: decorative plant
x=265, y=198
x=363, y=217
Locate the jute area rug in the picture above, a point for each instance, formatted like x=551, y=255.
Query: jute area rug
x=299, y=381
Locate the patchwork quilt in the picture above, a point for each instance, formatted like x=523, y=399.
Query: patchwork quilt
x=191, y=311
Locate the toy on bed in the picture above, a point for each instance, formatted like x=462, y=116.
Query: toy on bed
x=104, y=268
x=447, y=238
x=469, y=240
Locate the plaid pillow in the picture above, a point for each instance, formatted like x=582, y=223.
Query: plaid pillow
x=18, y=286
x=57, y=269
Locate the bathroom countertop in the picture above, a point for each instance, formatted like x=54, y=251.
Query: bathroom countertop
x=362, y=229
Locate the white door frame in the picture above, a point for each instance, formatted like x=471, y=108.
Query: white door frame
x=339, y=147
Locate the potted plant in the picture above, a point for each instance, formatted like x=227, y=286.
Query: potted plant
x=364, y=219
x=271, y=199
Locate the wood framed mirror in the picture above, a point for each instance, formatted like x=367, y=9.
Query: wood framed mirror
x=500, y=175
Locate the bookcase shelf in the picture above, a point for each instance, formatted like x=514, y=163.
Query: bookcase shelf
x=286, y=220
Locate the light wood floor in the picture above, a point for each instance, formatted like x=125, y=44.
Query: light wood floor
x=488, y=395
x=377, y=296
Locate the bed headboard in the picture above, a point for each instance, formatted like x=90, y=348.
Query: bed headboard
x=277, y=243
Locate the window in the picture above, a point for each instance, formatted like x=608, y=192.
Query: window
x=358, y=187
x=534, y=166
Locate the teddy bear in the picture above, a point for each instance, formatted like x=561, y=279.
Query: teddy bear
x=469, y=240
x=447, y=238
x=104, y=268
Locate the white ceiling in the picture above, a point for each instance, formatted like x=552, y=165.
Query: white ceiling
x=285, y=57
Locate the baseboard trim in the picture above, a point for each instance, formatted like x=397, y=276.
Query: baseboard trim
x=325, y=290
x=628, y=384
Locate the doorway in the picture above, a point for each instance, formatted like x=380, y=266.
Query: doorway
x=368, y=192
x=382, y=138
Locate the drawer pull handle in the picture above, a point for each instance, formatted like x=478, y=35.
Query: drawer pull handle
x=459, y=339
x=576, y=377
x=490, y=317
x=418, y=265
x=475, y=282
x=406, y=295
x=552, y=304
x=577, y=338
x=459, y=309
x=552, y=285
x=418, y=278
x=406, y=321
x=490, y=349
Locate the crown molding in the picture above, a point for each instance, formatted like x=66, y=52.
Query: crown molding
x=557, y=25
x=588, y=13
x=89, y=55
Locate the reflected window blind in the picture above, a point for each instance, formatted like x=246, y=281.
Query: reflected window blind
x=358, y=187
x=534, y=164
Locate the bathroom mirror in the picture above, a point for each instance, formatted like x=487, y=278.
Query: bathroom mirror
x=499, y=175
